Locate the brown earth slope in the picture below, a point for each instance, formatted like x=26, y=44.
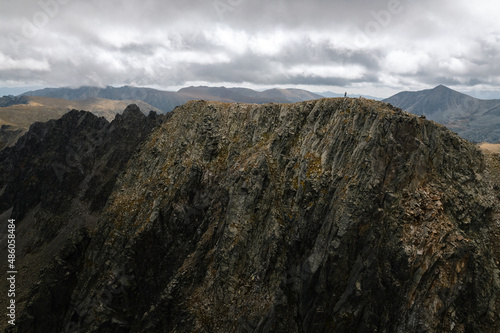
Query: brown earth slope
x=491, y=147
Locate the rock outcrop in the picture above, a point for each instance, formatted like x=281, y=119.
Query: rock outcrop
x=335, y=215
x=56, y=180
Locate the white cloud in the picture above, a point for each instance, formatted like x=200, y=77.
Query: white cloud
x=257, y=42
x=349, y=72
x=193, y=57
x=454, y=65
x=405, y=62
x=269, y=44
x=233, y=41
x=10, y=64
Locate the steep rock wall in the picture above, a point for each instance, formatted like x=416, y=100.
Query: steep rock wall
x=336, y=215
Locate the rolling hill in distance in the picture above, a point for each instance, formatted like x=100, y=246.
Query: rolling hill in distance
x=474, y=119
x=243, y=95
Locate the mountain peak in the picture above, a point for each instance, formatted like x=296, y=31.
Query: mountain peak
x=444, y=89
x=473, y=119
x=132, y=111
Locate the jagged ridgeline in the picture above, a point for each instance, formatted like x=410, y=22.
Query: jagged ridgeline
x=335, y=215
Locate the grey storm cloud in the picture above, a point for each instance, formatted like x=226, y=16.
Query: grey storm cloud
x=381, y=45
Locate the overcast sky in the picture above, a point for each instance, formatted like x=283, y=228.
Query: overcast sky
x=371, y=47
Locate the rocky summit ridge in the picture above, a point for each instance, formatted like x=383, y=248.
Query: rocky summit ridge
x=334, y=215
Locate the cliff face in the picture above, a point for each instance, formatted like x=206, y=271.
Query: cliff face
x=336, y=215
x=54, y=182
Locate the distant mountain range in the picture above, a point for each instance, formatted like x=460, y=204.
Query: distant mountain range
x=167, y=100
x=474, y=119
